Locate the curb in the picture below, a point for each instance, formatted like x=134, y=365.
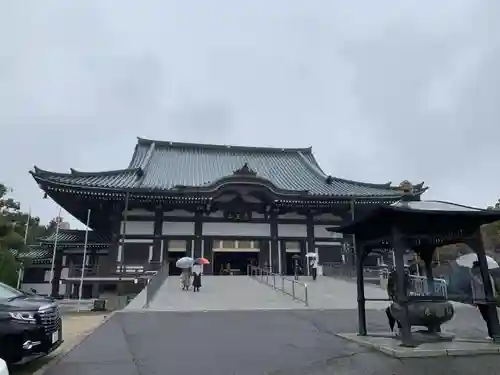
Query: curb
x=54, y=361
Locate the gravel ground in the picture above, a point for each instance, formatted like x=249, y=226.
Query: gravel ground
x=75, y=328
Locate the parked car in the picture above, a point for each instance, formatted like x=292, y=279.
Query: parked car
x=4, y=369
x=30, y=325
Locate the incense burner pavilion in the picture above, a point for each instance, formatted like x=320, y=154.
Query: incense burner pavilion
x=233, y=205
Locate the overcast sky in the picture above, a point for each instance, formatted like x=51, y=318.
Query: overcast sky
x=383, y=90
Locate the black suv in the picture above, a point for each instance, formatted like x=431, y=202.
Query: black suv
x=30, y=325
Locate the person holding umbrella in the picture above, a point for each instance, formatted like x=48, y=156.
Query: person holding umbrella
x=313, y=263
x=185, y=264
x=197, y=268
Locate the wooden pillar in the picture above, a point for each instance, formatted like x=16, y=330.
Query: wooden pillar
x=283, y=256
x=310, y=234
x=264, y=254
x=353, y=217
x=111, y=259
x=402, y=293
x=274, y=241
x=361, y=290
x=158, y=230
x=303, y=261
x=208, y=244
x=56, y=279
x=198, y=234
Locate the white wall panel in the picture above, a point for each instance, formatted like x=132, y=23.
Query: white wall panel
x=331, y=217
x=236, y=229
x=178, y=228
x=138, y=227
x=292, y=230
x=140, y=212
x=291, y=215
x=182, y=213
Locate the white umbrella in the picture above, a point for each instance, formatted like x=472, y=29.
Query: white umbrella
x=185, y=262
x=311, y=255
x=468, y=260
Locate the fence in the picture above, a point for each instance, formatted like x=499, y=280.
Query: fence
x=419, y=285
x=155, y=283
x=374, y=275
x=295, y=289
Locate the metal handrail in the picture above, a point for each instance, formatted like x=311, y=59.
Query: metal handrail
x=155, y=283
x=279, y=282
x=419, y=285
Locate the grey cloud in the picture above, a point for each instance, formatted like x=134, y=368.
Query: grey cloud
x=382, y=90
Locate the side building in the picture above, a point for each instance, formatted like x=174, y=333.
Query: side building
x=231, y=204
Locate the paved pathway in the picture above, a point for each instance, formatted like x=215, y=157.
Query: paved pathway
x=221, y=293
x=209, y=333
x=278, y=342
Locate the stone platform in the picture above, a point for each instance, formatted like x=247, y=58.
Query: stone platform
x=387, y=344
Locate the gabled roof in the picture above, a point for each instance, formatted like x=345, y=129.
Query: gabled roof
x=41, y=254
x=75, y=237
x=159, y=166
x=33, y=252
x=418, y=218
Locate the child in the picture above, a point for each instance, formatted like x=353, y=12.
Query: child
x=196, y=278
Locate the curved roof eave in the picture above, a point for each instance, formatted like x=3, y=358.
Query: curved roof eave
x=75, y=173
x=314, y=166
x=180, y=192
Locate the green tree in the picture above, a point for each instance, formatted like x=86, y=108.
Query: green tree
x=491, y=232
x=12, y=234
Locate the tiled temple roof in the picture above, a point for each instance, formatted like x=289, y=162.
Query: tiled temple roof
x=159, y=166
x=75, y=236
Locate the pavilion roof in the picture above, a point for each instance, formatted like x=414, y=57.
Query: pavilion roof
x=445, y=220
x=159, y=166
x=75, y=237
x=41, y=254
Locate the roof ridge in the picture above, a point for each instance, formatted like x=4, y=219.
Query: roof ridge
x=134, y=155
x=314, y=167
x=147, y=142
x=148, y=156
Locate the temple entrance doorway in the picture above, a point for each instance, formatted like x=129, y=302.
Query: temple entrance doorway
x=232, y=257
x=292, y=248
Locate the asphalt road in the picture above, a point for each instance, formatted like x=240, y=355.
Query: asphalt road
x=279, y=342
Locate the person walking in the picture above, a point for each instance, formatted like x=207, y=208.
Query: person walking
x=185, y=278
x=479, y=295
x=196, y=278
x=314, y=267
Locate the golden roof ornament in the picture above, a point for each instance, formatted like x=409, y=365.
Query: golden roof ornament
x=406, y=187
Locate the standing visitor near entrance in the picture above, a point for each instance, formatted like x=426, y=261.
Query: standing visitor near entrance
x=196, y=278
x=314, y=267
x=479, y=295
